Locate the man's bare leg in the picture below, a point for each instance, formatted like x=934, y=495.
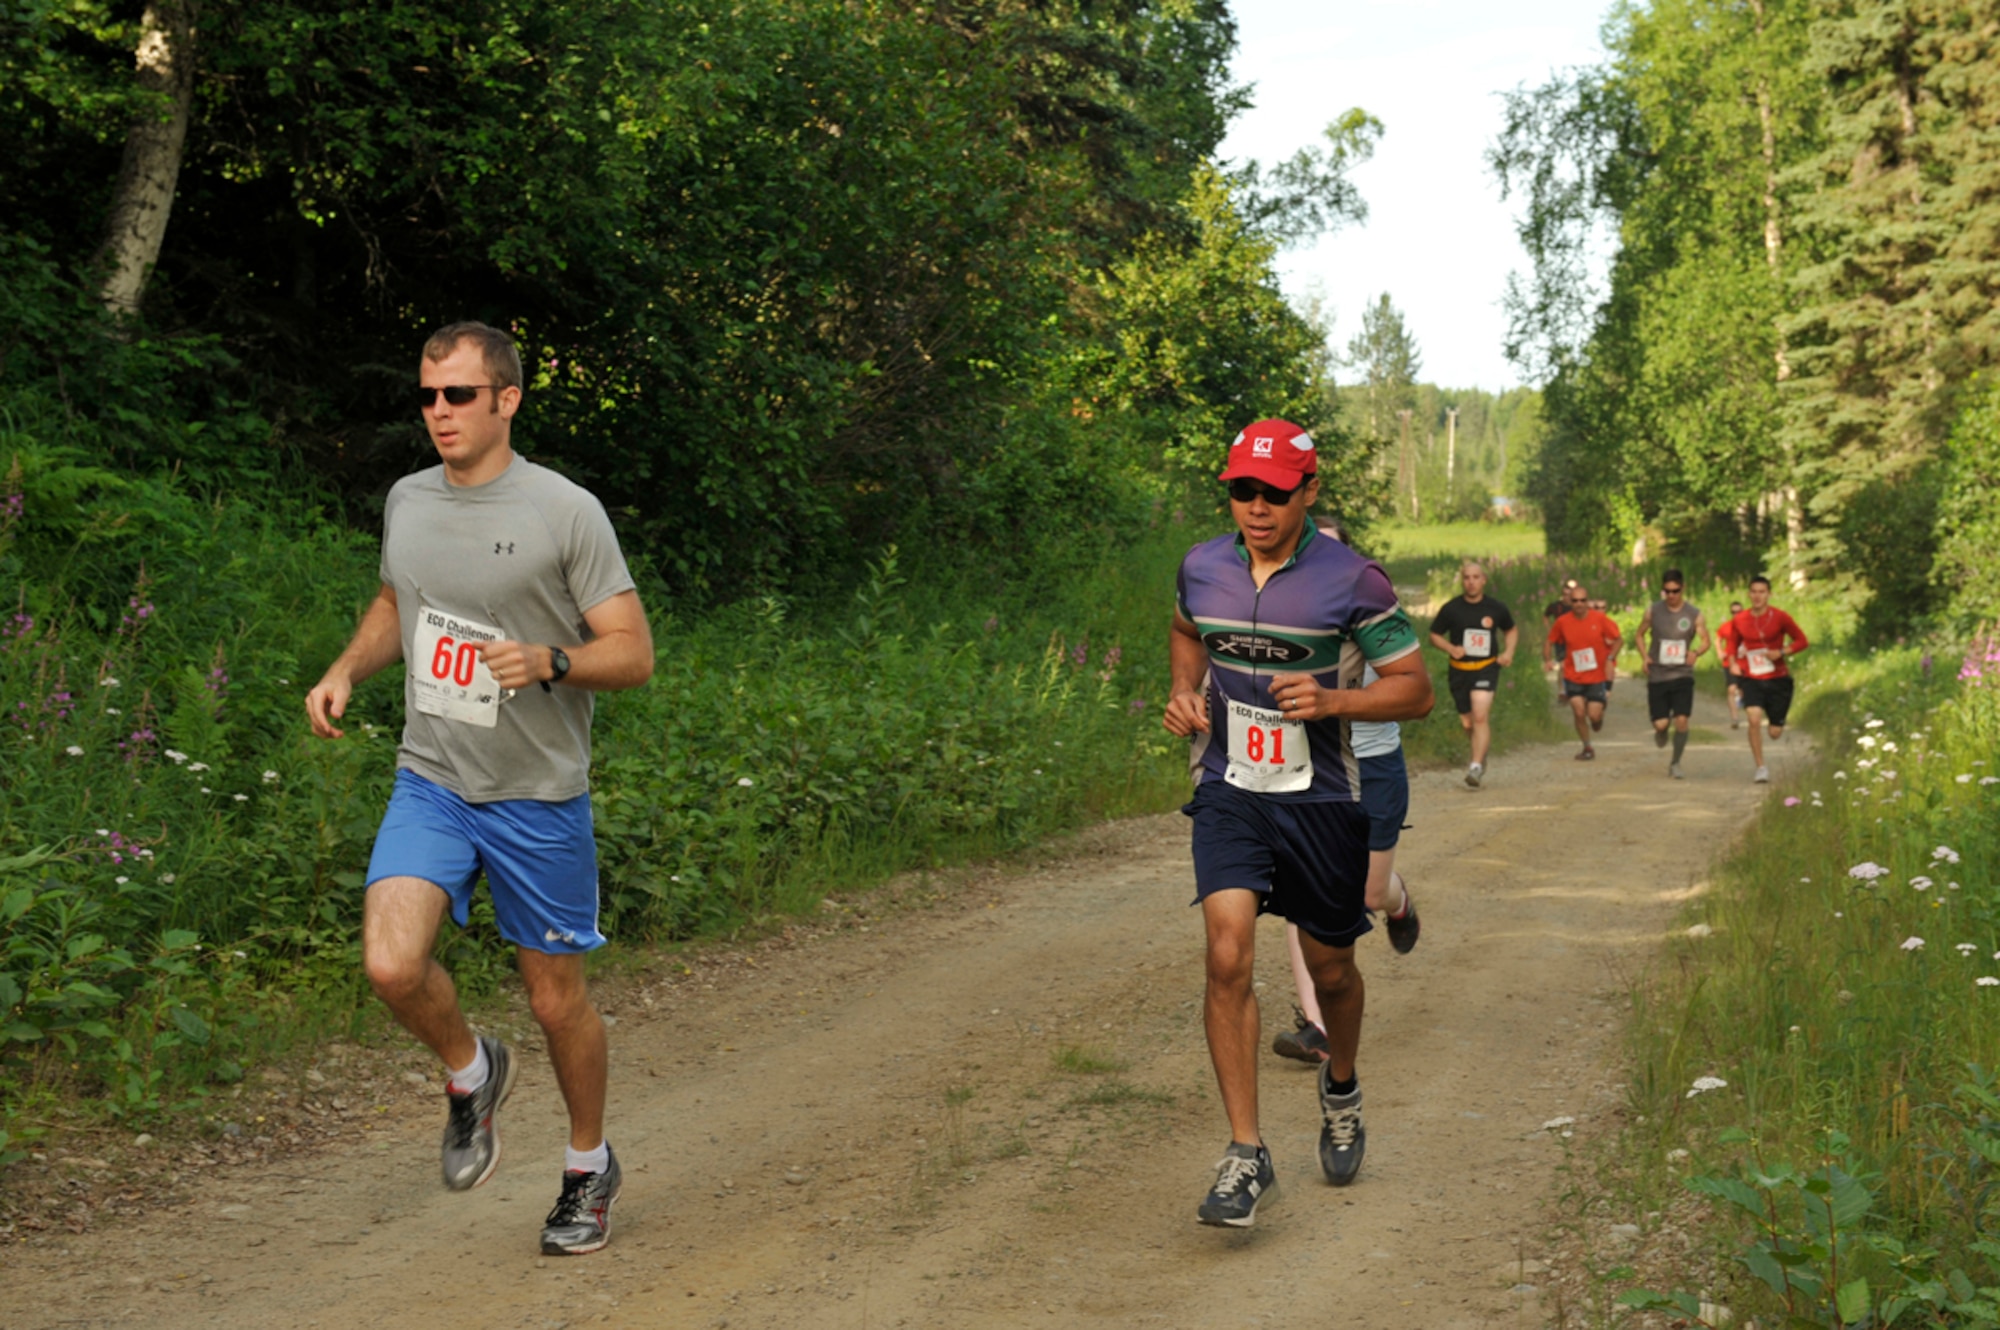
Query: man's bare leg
x=575, y=1033
x=399, y=927
x=1229, y=1006
x=1480, y=726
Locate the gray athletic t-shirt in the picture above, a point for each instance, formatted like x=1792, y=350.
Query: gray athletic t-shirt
x=1670, y=626
x=528, y=553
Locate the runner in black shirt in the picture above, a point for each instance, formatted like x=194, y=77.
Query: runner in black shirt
x=1479, y=635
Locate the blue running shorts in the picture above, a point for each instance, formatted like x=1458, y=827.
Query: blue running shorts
x=1307, y=862
x=539, y=858
x=1385, y=796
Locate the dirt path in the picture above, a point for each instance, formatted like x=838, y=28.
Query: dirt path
x=998, y=1111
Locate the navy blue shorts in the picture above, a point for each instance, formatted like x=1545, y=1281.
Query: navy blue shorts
x=1385, y=797
x=539, y=857
x=1589, y=692
x=1307, y=862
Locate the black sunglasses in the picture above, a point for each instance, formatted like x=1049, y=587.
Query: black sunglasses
x=459, y=394
x=1244, y=490
x=1670, y=590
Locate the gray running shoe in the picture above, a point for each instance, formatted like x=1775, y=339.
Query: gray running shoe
x=471, y=1138
x=1307, y=1043
x=1674, y=770
x=1243, y=1178
x=1342, y=1139
x=1763, y=776
x=581, y=1222
x=1474, y=774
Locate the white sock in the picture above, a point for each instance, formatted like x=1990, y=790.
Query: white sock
x=587, y=1161
x=466, y=1080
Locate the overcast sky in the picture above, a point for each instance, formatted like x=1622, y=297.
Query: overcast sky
x=1438, y=239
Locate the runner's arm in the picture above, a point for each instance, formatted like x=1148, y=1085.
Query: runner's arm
x=618, y=655
x=377, y=644
x=1401, y=691
x=1513, y=640
x=1789, y=631
x=1443, y=643
x=1187, y=688
x=1639, y=637
x=1701, y=635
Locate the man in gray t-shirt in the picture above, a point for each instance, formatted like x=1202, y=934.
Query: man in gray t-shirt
x=505, y=595
x=1672, y=636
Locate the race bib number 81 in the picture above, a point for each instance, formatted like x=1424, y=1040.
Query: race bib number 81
x=447, y=677
x=1267, y=753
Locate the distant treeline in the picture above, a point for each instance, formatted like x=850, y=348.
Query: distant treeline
x=1802, y=297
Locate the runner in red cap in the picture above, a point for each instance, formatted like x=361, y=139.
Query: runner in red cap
x=1274, y=630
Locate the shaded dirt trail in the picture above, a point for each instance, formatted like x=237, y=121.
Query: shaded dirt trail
x=997, y=1110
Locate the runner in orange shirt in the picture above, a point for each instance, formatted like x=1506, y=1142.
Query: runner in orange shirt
x=1765, y=635
x=1589, y=640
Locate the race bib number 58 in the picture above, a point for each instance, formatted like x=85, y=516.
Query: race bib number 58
x=447, y=677
x=1267, y=753
x=1478, y=643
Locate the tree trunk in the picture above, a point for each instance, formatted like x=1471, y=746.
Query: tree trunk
x=1774, y=241
x=136, y=227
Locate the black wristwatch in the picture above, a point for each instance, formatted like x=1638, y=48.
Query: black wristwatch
x=559, y=662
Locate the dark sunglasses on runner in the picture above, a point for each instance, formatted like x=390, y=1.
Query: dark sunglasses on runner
x=1244, y=490
x=1670, y=590
x=1579, y=600
x=459, y=394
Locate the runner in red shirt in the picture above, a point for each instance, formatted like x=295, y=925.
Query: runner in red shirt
x=1764, y=636
x=1589, y=640
x=1725, y=641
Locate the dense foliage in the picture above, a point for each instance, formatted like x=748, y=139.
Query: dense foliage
x=1799, y=199
x=798, y=282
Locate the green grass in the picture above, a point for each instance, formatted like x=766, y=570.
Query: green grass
x=1844, y=1045
x=1075, y=1061
x=1409, y=552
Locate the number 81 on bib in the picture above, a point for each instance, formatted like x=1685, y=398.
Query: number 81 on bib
x=1267, y=753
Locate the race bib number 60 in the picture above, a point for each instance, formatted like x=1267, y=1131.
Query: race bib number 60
x=1267, y=753
x=447, y=677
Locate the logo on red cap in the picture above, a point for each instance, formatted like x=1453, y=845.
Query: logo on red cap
x=1274, y=451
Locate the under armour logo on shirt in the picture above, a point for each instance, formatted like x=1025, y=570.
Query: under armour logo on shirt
x=498, y=547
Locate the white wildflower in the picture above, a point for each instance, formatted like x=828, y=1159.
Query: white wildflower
x=74, y=751
x=1989, y=780
x=1965, y=779
x=1944, y=854
x=1922, y=883
x=198, y=766
x=107, y=683
x=1703, y=1084
x=113, y=711
x=1889, y=747
x=121, y=881
x=1676, y=1156
x=1868, y=872
x=1913, y=944
x=745, y=782
x=1866, y=741
x=1987, y=981
x=1966, y=948
x=175, y=756
x=167, y=878
x=1840, y=775
x=1874, y=725
x=240, y=798
x=270, y=776
x=1699, y=930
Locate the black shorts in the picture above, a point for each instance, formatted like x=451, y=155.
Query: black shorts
x=1669, y=698
x=1307, y=862
x=1385, y=797
x=1589, y=692
x=1773, y=696
x=1464, y=683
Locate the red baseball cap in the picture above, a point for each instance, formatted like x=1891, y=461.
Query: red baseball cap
x=1274, y=451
